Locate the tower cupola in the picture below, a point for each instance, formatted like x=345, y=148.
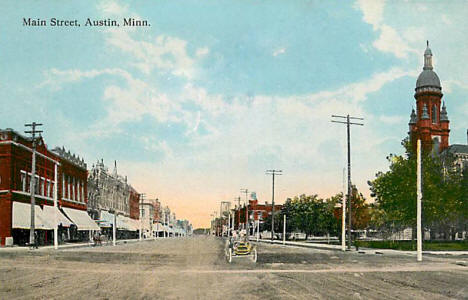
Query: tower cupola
x=428, y=58
x=443, y=113
x=428, y=79
x=413, y=118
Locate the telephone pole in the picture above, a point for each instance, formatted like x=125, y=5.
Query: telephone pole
x=247, y=227
x=273, y=173
x=142, y=197
x=33, y=132
x=238, y=199
x=348, y=123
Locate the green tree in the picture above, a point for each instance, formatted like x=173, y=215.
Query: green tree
x=309, y=214
x=395, y=192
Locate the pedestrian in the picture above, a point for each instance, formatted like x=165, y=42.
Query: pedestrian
x=36, y=240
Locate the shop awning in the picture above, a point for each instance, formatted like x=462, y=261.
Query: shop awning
x=107, y=219
x=49, y=216
x=22, y=217
x=125, y=223
x=81, y=219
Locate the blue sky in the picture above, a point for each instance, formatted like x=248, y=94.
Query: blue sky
x=213, y=93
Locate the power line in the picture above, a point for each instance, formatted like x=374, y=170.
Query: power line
x=348, y=123
x=273, y=173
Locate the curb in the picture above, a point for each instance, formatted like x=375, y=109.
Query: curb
x=363, y=250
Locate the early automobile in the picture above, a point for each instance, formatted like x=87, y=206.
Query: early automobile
x=240, y=249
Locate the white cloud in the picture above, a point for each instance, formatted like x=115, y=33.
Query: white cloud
x=165, y=53
x=279, y=51
x=389, y=40
x=54, y=78
x=202, y=52
x=372, y=11
x=153, y=144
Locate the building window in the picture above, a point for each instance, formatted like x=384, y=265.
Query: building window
x=36, y=184
x=42, y=185
x=23, y=181
x=78, y=191
x=435, y=145
x=434, y=114
x=69, y=190
x=63, y=186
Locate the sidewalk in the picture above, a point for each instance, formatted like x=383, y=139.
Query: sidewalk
x=70, y=245
x=361, y=250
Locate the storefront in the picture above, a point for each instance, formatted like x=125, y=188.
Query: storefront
x=83, y=225
x=126, y=228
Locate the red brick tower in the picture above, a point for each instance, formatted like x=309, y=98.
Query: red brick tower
x=430, y=122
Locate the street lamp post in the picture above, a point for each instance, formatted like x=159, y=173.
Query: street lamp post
x=418, y=203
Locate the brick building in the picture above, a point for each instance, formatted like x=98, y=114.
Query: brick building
x=257, y=213
x=56, y=169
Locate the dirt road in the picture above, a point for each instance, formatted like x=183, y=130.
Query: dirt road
x=195, y=268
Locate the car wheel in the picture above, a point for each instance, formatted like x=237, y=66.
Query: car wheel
x=254, y=255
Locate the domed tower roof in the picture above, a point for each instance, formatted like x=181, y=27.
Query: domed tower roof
x=428, y=79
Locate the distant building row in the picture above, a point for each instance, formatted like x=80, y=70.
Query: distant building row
x=86, y=202
x=235, y=219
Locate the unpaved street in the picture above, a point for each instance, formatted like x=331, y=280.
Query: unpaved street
x=195, y=268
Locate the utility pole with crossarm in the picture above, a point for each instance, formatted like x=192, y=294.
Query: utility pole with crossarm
x=348, y=123
x=33, y=132
x=247, y=227
x=273, y=173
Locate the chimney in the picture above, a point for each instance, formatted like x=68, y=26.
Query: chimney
x=467, y=136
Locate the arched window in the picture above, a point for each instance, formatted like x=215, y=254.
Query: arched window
x=434, y=113
x=435, y=145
